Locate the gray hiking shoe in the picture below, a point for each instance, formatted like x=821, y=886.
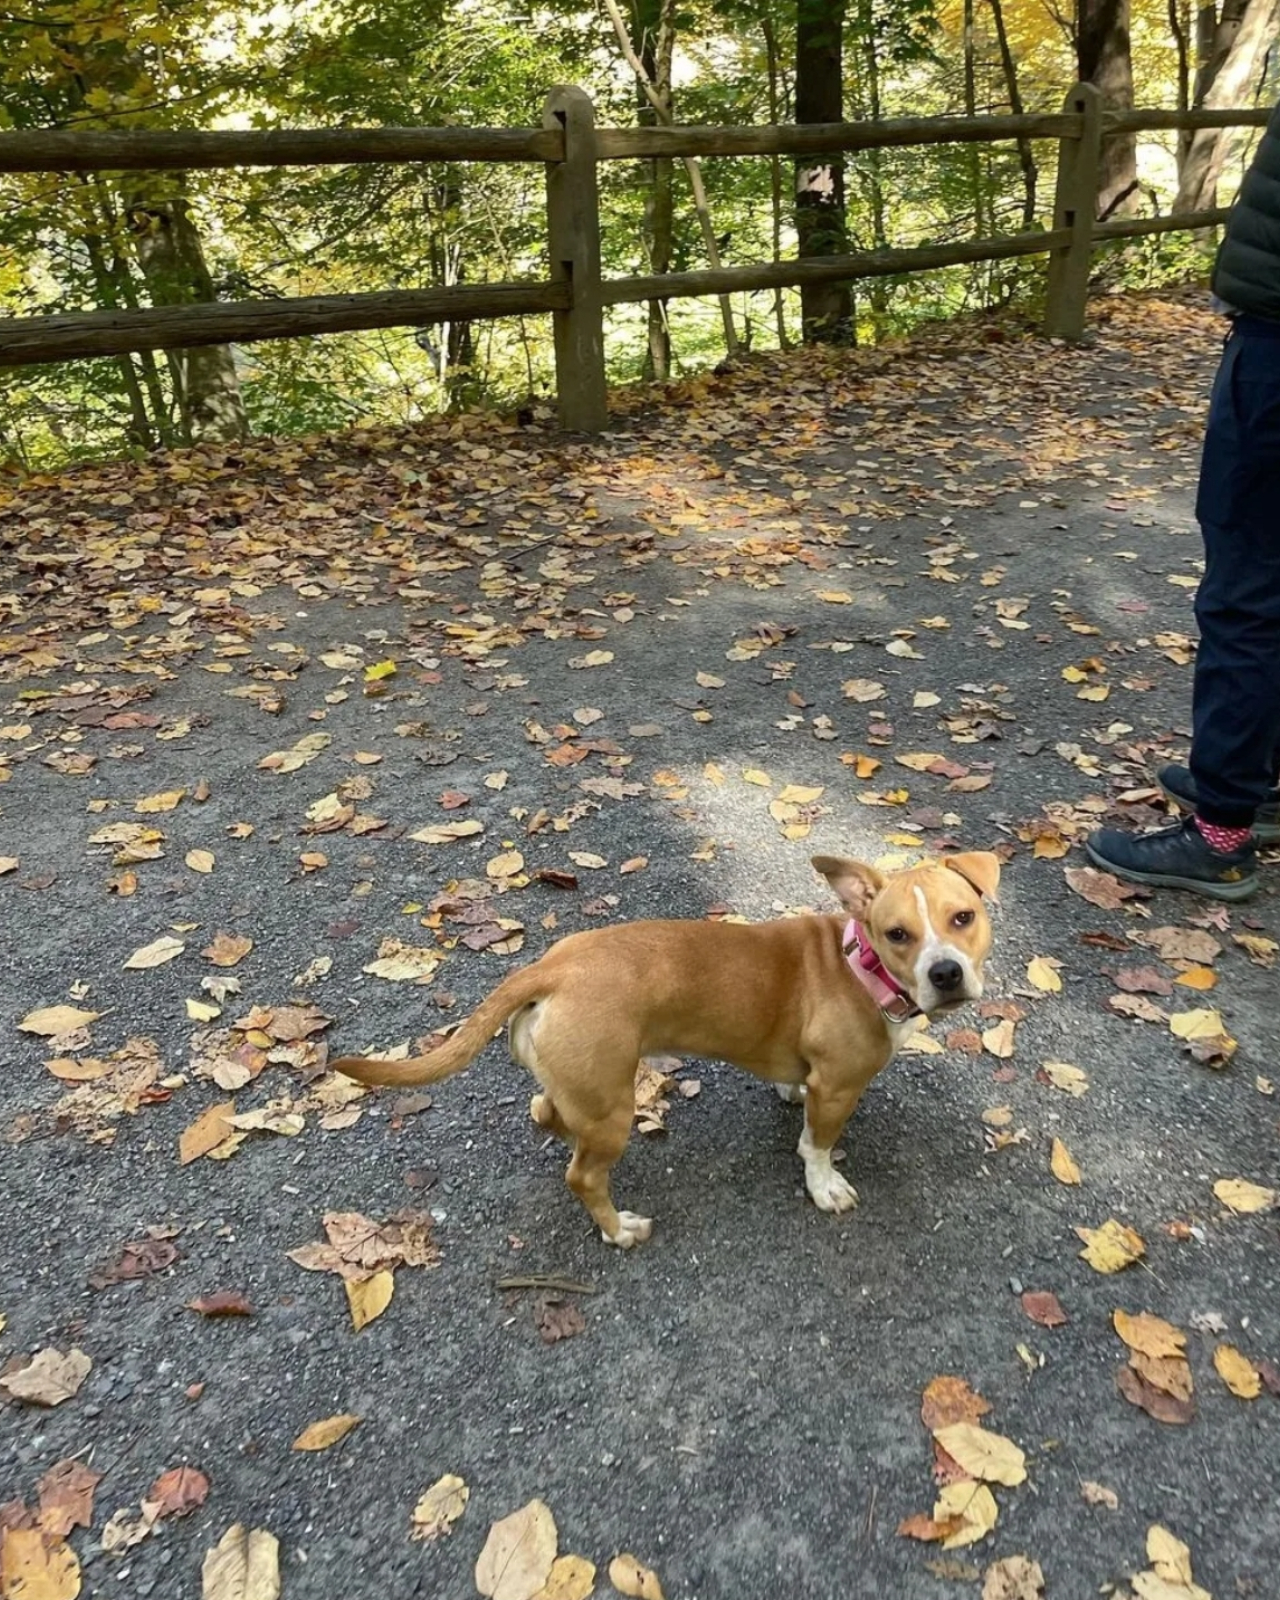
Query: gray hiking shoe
x=1180, y=787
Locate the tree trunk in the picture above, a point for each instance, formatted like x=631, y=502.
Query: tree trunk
x=1103, y=59
x=974, y=151
x=826, y=310
x=775, y=170
x=869, y=44
x=652, y=28
x=1230, y=48
x=1026, y=156
x=172, y=261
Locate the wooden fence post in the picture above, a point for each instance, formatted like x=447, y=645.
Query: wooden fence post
x=1075, y=207
x=573, y=227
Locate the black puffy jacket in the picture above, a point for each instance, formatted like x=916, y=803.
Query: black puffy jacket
x=1247, y=272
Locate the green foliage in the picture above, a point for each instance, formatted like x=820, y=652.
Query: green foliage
x=71, y=242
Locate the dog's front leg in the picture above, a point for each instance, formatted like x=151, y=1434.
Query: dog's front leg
x=828, y=1106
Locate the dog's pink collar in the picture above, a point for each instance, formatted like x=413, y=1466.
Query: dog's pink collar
x=875, y=977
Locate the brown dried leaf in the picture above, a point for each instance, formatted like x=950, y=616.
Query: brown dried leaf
x=178, y=1492
x=1043, y=1307
x=630, y=1577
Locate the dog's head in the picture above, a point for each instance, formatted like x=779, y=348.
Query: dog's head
x=928, y=924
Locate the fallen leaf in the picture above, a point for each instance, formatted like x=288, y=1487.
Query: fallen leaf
x=178, y=1492
x=155, y=954
x=48, y=1378
x=999, y=1040
x=629, y=1577
x=439, y=1508
x=558, y=1319
x=1062, y=1163
x=571, y=1578
x=245, y=1565
x=1062, y=1075
x=1244, y=1197
x=1112, y=1247
x=518, y=1554
x=1156, y=1402
x=445, y=832
x=863, y=690
x=1101, y=888
x=368, y=1298
x=1013, y=1578
x=137, y=1259
x=947, y=1400
x=200, y=860
x=1203, y=1023
x=227, y=949
x=1043, y=1307
x=1043, y=973
x=1179, y=944
x=927, y=1529
x=207, y=1132
x=34, y=1568
x=52, y=1021
x=1197, y=978
x=1151, y=1335
x=325, y=1433
x=1097, y=1494
x=167, y=801
x=975, y=1506
x=1237, y=1372
x=982, y=1454
x=66, y=1498
x=225, y=1303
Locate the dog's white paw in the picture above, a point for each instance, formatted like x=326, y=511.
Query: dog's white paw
x=632, y=1230
x=792, y=1093
x=829, y=1191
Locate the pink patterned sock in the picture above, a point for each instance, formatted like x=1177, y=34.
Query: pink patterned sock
x=1222, y=839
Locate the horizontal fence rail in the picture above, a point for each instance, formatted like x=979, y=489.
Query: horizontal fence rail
x=570, y=147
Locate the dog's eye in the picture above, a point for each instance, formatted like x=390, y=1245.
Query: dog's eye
x=897, y=936
x=962, y=919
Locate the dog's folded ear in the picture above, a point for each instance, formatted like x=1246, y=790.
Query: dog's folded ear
x=855, y=883
x=980, y=869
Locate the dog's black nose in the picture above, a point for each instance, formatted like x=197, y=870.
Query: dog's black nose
x=946, y=975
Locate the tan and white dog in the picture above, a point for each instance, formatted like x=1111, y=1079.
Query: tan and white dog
x=814, y=1004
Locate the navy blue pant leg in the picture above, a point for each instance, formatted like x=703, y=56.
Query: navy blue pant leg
x=1235, y=748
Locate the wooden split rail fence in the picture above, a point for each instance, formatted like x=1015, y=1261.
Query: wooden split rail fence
x=571, y=146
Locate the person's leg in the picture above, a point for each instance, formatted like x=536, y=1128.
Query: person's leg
x=1236, y=698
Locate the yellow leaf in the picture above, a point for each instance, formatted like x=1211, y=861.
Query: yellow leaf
x=998, y=1040
x=796, y=794
x=865, y=766
x=439, y=1508
x=202, y=1011
x=320, y=1435
x=1096, y=691
x=1237, y=1372
x=974, y=1504
x=708, y=680
x=754, y=775
x=200, y=860
x=244, y=1566
x=507, y=865
x=1074, y=674
x=1042, y=972
x=1244, y=1197
x=51, y=1021
x=207, y=1132
x=370, y=1297
x=636, y=864
x=1153, y=1336
x=518, y=1554
x=923, y=698
x=1199, y=1024
x=31, y=1568
x=629, y=1577
x=572, y=1578
x=1062, y=1163
x=593, y=658
x=380, y=670
x=982, y=1454
x=1197, y=978
x=1169, y=1556
x=919, y=760
x=713, y=774
x=1112, y=1247
x=160, y=802
x=155, y=954
x=1062, y=1075
x=833, y=597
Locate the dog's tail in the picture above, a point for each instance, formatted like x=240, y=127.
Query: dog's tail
x=462, y=1047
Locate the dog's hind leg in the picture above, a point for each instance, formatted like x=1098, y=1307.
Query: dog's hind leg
x=597, y=1145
